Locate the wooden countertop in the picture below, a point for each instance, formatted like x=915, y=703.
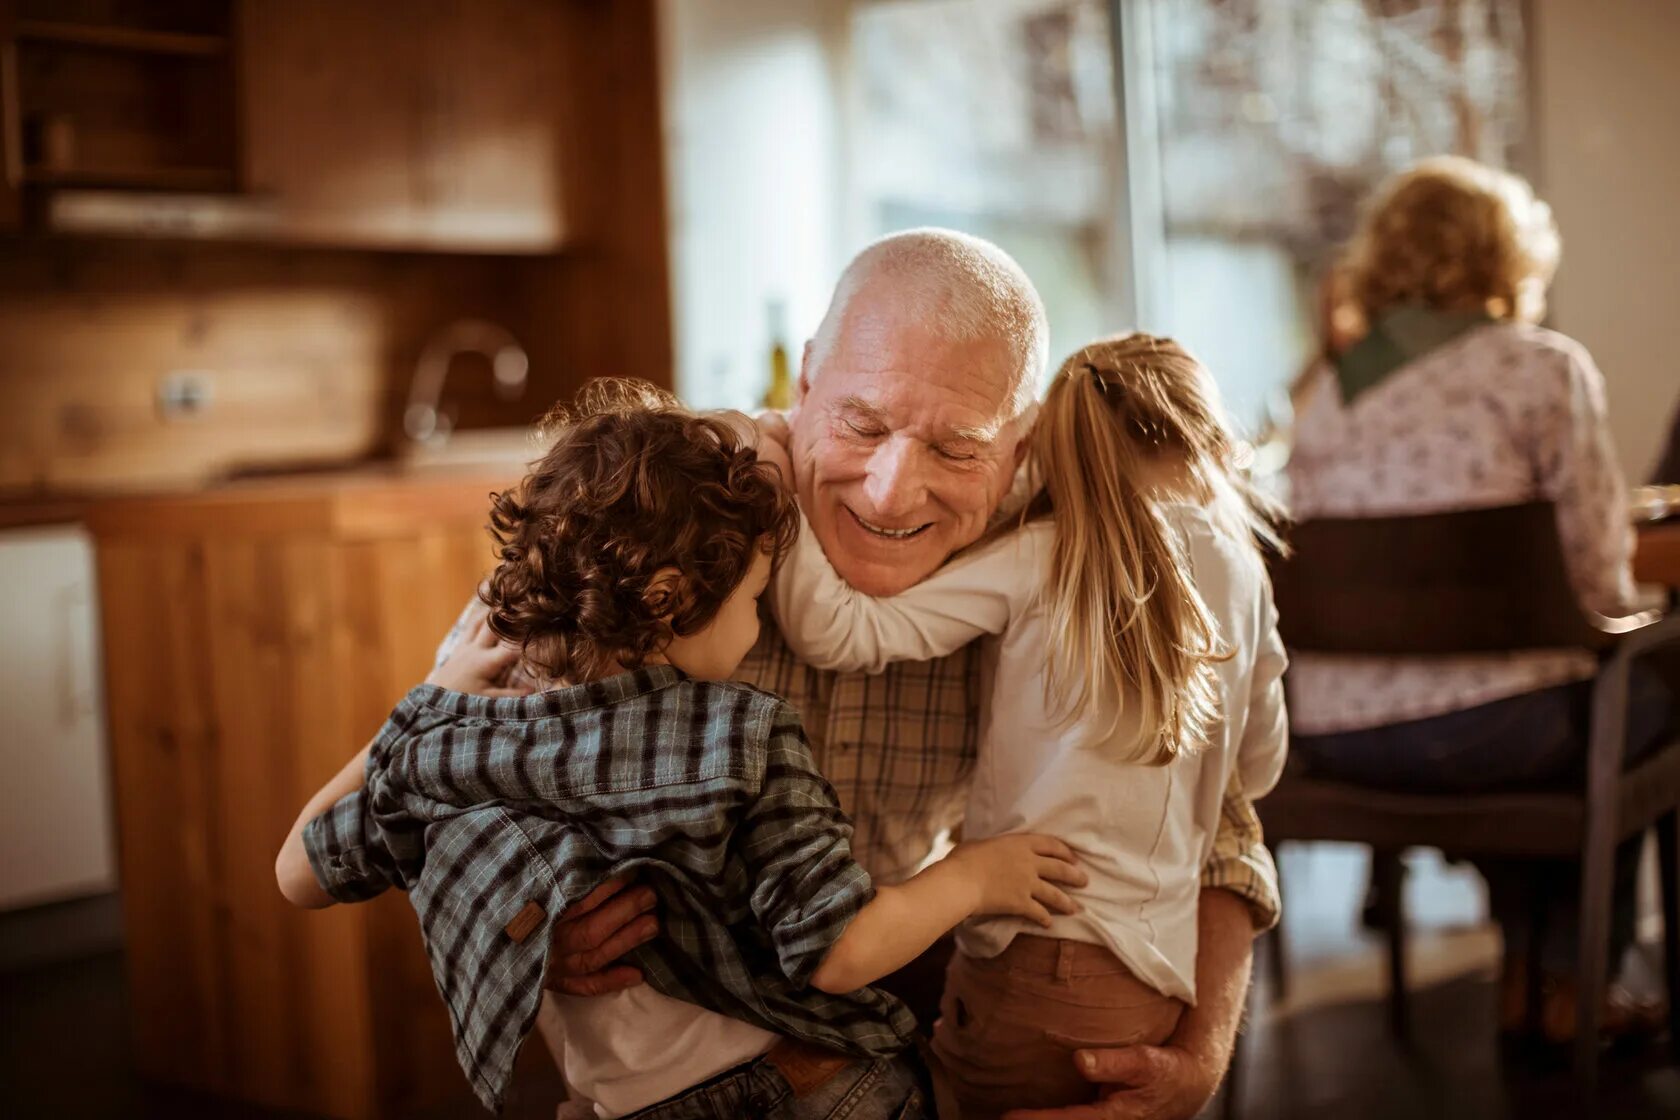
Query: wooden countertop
x=367, y=502
x=25, y=513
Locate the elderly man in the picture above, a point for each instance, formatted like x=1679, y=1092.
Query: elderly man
x=914, y=399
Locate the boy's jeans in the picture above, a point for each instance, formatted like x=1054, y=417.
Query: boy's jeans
x=884, y=1089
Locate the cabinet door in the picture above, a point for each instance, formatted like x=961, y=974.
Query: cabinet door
x=331, y=96
x=421, y=124
x=55, y=802
x=488, y=171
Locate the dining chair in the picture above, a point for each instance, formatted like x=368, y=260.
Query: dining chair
x=1467, y=582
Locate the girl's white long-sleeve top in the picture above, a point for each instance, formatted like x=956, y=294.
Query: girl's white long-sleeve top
x=1142, y=833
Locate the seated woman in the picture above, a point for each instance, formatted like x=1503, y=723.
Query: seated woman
x=1455, y=399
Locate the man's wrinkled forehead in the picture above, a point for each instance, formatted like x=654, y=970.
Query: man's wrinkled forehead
x=881, y=355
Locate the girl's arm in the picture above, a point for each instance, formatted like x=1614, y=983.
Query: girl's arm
x=1015, y=874
x=1265, y=742
x=826, y=922
x=829, y=624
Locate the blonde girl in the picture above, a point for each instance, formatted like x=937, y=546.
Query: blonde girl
x=1136, y=672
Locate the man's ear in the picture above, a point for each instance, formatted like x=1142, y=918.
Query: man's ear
x=664, y=592
x=1025, y=423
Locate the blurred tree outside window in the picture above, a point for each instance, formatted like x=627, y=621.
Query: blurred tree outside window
x=1273, y=119
x=1199, y=190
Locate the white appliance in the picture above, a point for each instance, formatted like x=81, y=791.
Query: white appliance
x=55, y=796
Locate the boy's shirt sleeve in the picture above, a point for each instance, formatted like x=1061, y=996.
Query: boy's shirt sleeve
x=345, y=851
x=355, y=850
x=797, y=845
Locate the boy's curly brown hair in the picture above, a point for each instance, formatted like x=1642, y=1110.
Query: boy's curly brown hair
x=633, y=485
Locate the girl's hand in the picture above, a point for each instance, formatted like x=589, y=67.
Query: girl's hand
x=773, y=425
x=766, y=433
x=479, y=664
x=1018, y=874
x=773, y=444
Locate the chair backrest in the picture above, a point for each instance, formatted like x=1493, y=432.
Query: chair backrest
x=1464, y=582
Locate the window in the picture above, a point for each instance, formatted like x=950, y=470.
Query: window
x=1255, y=127
x=997, y=118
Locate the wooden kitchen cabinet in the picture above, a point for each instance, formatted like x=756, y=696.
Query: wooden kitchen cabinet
x=420, y=124
x=254, y=637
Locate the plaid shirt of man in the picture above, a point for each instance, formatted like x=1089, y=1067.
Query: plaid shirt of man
x=498, y=814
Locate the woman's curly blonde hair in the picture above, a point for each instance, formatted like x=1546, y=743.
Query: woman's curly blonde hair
x=1454, y=235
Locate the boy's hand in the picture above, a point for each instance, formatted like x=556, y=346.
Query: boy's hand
x=1019, y=873
x=479, y=664
x=613, y=919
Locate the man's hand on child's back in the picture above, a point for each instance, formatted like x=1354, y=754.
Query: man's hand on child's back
x=1019, y=874
x=611, y=920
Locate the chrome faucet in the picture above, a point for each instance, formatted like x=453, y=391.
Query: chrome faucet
x=425, y=420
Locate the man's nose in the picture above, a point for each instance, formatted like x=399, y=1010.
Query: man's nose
x=896, y=485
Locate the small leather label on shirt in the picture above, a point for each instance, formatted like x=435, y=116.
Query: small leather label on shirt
x=530, y=916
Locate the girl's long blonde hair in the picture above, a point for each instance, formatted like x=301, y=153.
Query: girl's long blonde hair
x=1123, y=605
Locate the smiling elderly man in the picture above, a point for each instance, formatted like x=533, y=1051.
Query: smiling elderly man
x=914, y=398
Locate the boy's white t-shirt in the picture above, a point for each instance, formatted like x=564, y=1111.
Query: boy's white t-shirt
x=630, y=1049
x=1142, y=833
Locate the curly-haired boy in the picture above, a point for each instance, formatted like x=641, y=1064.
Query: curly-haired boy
x=632, y=559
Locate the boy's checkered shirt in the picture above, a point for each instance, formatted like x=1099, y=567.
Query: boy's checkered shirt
x=497, y=814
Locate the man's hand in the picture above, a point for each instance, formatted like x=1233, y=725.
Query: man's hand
x=1143, y=1083
x=612, y=920
x=1174, y=1081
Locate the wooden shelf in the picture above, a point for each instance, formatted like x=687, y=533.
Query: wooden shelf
x=137, y=178
x=178, y=43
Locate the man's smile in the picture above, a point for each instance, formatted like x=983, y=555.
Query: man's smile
x=886, y=533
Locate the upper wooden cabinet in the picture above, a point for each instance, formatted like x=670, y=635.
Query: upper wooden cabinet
x=400, y=124
x=424, y=124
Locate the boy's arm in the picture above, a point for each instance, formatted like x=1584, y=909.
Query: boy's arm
x=292, y=870
x=830, y=927
x=829, y=624
x=471, y=659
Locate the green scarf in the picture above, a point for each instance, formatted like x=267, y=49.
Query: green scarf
x=1400, y=337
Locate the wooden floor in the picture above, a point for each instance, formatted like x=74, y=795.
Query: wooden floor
x=1326, y=1053
x=64, y=1053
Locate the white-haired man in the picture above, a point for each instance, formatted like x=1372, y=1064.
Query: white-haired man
x=914, y=398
